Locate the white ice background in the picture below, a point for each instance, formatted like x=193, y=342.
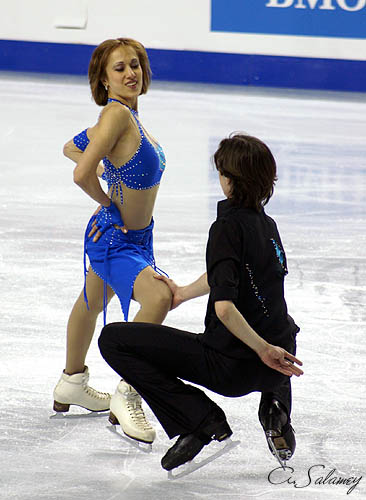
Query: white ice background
x=318, y=140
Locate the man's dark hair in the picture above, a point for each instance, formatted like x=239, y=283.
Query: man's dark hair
x=250, y=166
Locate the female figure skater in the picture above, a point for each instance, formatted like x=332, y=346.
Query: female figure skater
x=121, y=260
x=249, y=341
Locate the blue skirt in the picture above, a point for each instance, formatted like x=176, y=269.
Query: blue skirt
x=118, y=258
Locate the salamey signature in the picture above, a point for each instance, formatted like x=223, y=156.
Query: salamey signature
x=280, y=476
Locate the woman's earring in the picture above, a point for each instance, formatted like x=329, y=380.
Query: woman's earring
x=106, y=87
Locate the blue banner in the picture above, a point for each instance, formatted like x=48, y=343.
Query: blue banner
x=194, y=66
x=326, y=18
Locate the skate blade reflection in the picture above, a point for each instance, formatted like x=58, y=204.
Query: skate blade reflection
x=192, y=466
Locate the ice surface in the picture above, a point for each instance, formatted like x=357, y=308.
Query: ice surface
x=319, y=204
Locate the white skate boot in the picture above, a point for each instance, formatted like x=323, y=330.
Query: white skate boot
x=74, y=390
x=127, y=411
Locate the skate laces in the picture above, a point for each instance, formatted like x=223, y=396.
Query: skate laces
x=134, y=407
x=94, y=393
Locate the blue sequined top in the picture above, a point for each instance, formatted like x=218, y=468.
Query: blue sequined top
x=142, y=171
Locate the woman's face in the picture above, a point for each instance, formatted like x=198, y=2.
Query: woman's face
x=225, y=185
x=124, y=76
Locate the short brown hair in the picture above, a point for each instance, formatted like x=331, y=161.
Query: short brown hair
x=98, y=63
x=250, y=165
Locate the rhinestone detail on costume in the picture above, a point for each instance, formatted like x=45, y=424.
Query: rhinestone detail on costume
x=142, y=171
x=256, y=291
x=81, y=140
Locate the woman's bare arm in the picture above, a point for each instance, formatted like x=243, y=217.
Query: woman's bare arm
x=74, y=153
x=112, y=124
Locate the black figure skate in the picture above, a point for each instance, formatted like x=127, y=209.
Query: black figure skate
x=278, y=430
x=215, y=427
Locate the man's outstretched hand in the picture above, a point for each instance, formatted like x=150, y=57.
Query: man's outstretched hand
x=277, y=358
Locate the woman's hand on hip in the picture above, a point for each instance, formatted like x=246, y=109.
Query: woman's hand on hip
x=95, y=230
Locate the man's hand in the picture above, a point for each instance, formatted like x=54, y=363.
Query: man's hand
x=176, y=290
x=277, y=358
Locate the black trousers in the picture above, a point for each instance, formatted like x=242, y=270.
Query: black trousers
x=154, y=359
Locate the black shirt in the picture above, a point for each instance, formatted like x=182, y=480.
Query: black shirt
x=246, y=264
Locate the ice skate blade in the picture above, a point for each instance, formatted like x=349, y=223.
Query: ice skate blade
x=75, y=416
x=71, y=416
x=140, y=445
x=65, y=407
x=192, y=466
x=281, y=455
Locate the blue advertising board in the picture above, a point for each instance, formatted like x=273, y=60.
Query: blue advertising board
x=195, y=66
x=325, y=18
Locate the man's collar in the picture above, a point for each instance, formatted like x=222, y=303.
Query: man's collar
x=226, y=206
x=223, y=207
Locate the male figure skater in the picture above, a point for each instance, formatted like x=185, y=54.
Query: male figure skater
x=249, y=339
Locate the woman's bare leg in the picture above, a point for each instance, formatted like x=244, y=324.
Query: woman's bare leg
x=81, y=324
x=154, y=297
x=72, y=387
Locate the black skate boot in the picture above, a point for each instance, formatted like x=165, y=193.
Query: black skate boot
x=188, y=446
x=278, y=430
